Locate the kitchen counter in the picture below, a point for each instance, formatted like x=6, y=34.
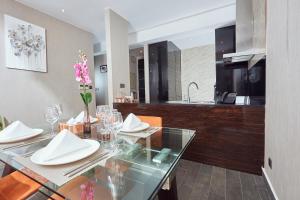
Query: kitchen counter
x=229, y=136
x=202, y=103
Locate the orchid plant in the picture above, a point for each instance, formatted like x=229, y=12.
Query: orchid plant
x=82, y=76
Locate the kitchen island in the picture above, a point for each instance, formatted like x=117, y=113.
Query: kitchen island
x=229, y=136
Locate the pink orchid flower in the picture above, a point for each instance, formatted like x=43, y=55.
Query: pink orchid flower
x=82, y=71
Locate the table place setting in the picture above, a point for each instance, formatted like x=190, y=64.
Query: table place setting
x=65, y=156
x=64, y=148
x=18, y=131
x=133, y=126
x=17, y=134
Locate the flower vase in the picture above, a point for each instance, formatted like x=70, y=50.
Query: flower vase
x=87, y=123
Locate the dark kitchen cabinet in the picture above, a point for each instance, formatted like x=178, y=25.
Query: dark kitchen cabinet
x=141, y=75
x=224, y=41
x=164, y=72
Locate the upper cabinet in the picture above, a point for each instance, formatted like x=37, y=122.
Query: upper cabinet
x=224, y=41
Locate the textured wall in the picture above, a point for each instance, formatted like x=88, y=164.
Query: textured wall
x=282, y=94
x=198, y=64
x=116, y=28
x=25, y=94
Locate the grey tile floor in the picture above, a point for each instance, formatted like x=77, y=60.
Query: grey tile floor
x=196, y=181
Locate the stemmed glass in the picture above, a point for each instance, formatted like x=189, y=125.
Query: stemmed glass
x=112, y=122
x=52, y=116
x=117, y=124
x=102, y=111
x=59, y=109
x=117, y=121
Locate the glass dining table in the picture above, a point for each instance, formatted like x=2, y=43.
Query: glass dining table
x=140, y=168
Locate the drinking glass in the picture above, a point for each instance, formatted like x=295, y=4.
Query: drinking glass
x=59, y=109
x=102, y=111
x=117, y=121
x=102, y=133
x=52, y=116
x=117, y=124
x=112, y=123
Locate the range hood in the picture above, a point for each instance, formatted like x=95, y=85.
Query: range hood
x=244, y=56
x=250, y=33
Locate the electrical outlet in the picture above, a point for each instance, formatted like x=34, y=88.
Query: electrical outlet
x=270, y=163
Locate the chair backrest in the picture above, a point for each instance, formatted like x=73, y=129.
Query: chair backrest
x=2, y=123
x=151, y=120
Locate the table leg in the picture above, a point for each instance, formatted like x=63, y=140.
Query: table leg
x=169, y=194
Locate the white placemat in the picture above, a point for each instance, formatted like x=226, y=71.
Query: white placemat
x=55, y=174
x=142, y=134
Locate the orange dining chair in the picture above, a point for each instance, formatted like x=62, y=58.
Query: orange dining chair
x=17, y=186
x=71, y=188
x=154, y=121
x=151, y=120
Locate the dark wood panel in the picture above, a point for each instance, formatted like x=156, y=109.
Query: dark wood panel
x=226, y=135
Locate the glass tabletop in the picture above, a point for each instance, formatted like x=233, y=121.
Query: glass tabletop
x=135, y=171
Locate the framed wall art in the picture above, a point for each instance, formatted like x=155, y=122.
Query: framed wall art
x=25, y=45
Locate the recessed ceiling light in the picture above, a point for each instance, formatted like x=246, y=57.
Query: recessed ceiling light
x=62, y=10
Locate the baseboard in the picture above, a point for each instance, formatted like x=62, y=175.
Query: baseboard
x=269, y=185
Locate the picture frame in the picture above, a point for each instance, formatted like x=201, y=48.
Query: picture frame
x=25, y=45
x=103, y=68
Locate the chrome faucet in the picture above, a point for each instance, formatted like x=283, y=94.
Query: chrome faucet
x=188, y=90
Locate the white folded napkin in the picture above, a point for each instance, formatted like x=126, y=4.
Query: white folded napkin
x=131, y=122
x=79, y=119
x=16, y=129
x=62, y=144
x=71, y=121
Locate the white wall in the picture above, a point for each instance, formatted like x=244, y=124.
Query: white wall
x=116, y=28
x=198, y=64
x=24, y=95
x=282, y=139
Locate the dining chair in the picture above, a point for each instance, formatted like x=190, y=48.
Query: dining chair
x=14, y=185
x=72, y=186
x=151, y=120
x=157, y=122
x=17, y=186
x=2, y=122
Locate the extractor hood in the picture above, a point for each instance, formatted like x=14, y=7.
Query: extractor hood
x=250, y=33
x=244, y=56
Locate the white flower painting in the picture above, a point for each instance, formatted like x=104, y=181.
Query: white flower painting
x=25, y=45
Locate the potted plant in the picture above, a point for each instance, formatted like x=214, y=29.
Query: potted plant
x=82, y=76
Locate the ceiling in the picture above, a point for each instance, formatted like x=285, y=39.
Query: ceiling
x=141, y=14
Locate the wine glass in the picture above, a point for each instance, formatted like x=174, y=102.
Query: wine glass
x=102, y=111
x=117, y=124
x=117, y=121
x=59, y=109
x=52, y=116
